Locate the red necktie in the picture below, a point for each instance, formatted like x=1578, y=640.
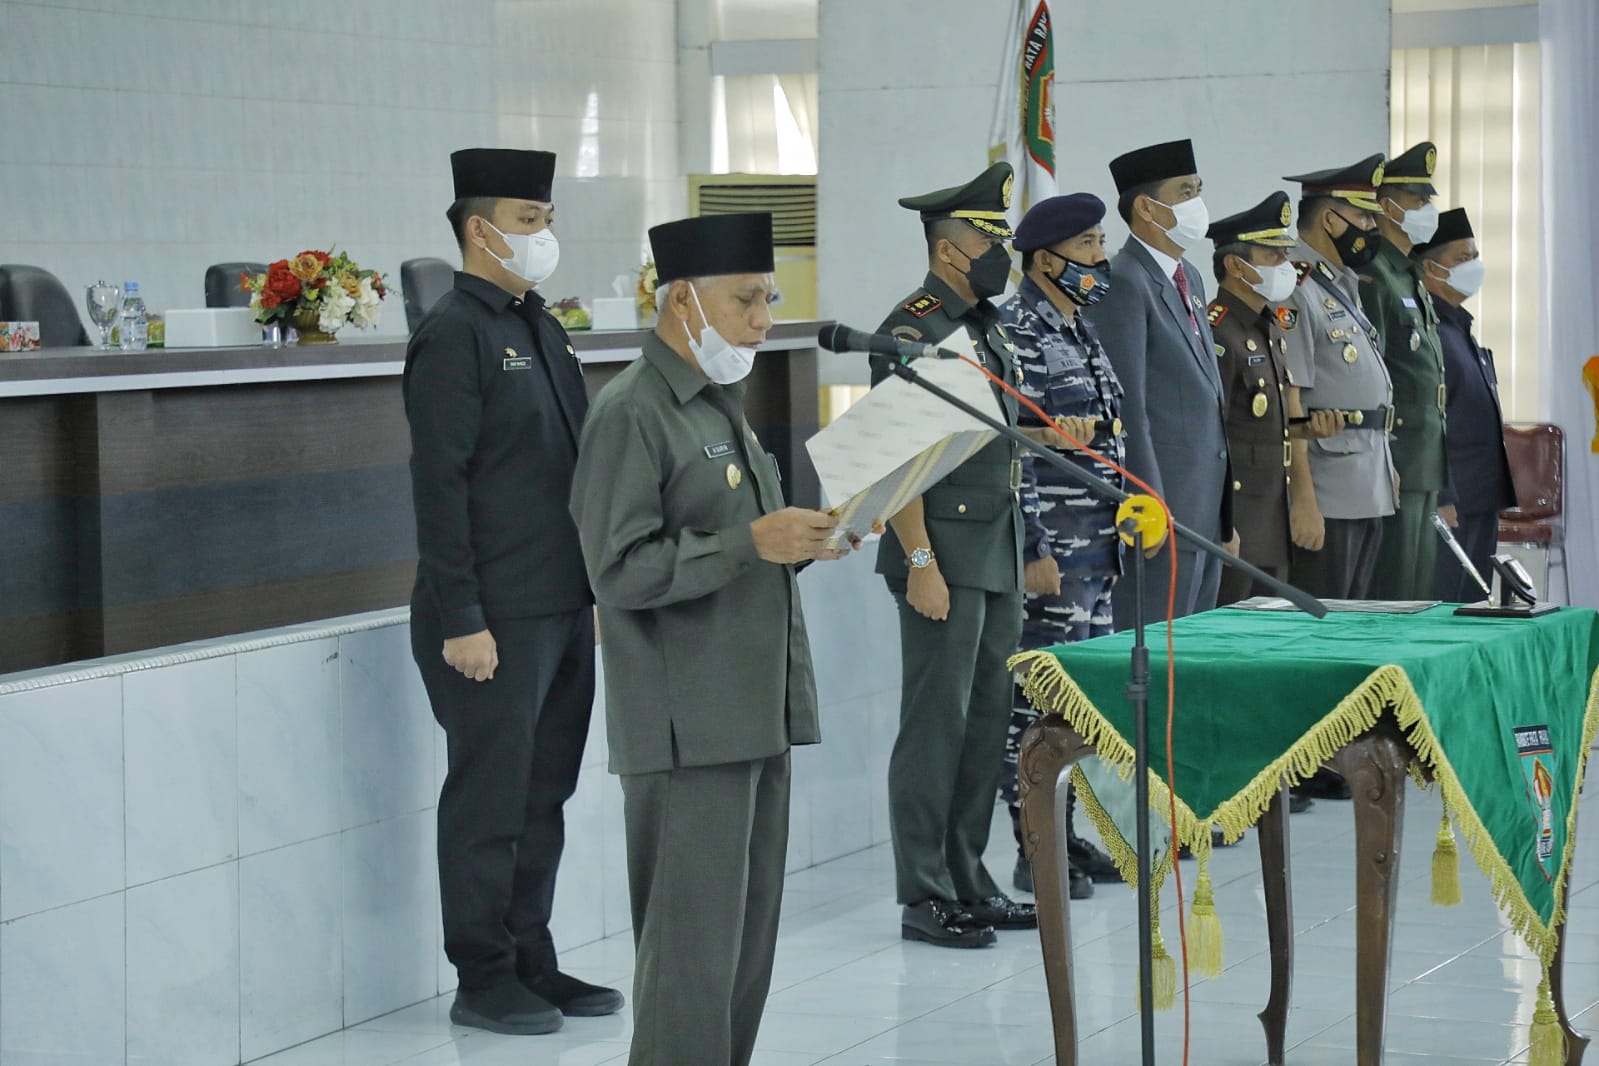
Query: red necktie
x=1181, y=278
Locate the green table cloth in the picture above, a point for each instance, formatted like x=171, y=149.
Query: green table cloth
x=1500, y=712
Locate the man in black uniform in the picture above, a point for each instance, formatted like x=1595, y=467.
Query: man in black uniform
x=1479, y=485
x=502, y=627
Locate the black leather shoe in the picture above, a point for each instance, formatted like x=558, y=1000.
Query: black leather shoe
x=1078, y=885
x=1298, y=802
x=574, y=998
x=1091, y=860
x=943, y=924
x=1002, y=912
x=1022, y=876
x=505, y=1007
x=1326, y=784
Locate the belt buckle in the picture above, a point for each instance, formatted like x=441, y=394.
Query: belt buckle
x=1015, y=475
x=1388, y=419
x=1443, y=396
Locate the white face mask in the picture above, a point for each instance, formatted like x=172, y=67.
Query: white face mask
x=1466, y=279
x=1193, y=219
x=534, y=256
x=720, y=360
x=1419, y=225
x=1276, y=283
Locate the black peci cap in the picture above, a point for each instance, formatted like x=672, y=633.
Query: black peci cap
x=712, y=246
x=1265, y=224
x=1158, y=162
x=1453, y=225
x=981, y=202
x=505, y=173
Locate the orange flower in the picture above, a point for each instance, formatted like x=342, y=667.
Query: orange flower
x=306, y=266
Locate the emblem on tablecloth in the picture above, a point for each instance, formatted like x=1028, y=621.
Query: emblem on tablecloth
x=1536, y=754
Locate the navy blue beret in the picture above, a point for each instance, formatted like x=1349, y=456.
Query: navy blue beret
x=1057, y=219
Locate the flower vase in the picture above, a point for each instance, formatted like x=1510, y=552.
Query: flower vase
x=305, y=323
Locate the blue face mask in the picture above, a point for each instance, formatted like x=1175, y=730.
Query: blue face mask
x=1083, y=285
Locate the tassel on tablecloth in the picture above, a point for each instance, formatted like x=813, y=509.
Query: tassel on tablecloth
x=1445, y=866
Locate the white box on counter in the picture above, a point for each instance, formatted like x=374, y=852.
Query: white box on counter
x=212, y=327
x=615, y=312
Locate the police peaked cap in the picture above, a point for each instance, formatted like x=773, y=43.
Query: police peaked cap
x=1265, y=224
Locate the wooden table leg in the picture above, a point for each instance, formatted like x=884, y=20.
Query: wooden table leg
x=1048, y=747
x=1576, y=1043
x=1374, y=766
x=1273, y=833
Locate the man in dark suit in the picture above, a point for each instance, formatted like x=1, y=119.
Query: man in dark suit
x=1152, y=323
x=501, y=616
x=1479, y=485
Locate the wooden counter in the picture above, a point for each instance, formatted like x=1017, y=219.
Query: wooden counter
x=158, y=497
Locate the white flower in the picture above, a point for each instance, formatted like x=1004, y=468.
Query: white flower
x=335, y=308
x=367, y=305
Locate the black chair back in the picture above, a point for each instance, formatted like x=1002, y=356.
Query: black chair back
x=423, y=281
x=222, y=284
x=30, y=294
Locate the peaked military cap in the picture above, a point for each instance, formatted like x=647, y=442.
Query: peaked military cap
x=1057, y=219
x=712, y=245
x=1158, y=162
x=1453, y=225
x=1413, y=169
x=981, y=202
x=1266, y=224
x=507, y=173
x=1355, y=184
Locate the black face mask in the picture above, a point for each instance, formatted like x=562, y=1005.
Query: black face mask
x=989, y=273
x=1356, y=247
x=1084, y=285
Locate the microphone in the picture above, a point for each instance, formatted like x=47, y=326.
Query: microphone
x=1460, y=553
x=840, y=338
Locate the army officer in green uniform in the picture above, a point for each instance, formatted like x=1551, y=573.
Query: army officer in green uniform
x=952, y=560
x=1394, y=295
x=708, y=679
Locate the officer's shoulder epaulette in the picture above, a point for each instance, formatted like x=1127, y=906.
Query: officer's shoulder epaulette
x=1326, y=271
x=921, y=305
x=1302, y=269
x=1216, y=312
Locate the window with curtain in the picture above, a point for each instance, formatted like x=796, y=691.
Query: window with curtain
x=764, y=124
x=1480, y=106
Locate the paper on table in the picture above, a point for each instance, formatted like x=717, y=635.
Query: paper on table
x=890, y=447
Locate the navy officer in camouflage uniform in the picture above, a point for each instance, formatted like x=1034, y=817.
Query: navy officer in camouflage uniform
x=1071, y=552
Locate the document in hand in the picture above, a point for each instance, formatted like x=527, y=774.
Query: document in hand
x=886, y=450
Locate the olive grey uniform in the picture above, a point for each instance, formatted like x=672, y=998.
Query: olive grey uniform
x=956, y=696
x=708, y=681
x=1332, y=356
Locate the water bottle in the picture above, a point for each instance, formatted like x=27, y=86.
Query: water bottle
x=133, y=323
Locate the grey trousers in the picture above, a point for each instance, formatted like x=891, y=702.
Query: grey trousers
x=1198, y=582
x=706, y=847
x=1343, y=568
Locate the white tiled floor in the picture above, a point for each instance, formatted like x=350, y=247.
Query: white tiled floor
x=848, y=992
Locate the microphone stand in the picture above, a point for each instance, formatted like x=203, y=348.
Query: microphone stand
x=1138, y=674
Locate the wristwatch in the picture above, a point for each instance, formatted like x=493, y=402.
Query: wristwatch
x=921, y=558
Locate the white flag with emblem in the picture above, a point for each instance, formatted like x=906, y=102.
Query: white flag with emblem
x=1023, y=133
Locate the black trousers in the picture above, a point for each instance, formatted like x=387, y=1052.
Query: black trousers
x=1343, y=568
x=1237, y=585
x=515, y=746
x=1478, y=534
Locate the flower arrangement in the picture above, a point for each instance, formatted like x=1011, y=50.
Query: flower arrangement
x=644, y=294
x=325, y=288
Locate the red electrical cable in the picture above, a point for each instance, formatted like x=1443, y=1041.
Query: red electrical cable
x=1171, y=661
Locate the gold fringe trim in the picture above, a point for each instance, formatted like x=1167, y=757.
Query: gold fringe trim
x=1445, y=866
x=1052, y=691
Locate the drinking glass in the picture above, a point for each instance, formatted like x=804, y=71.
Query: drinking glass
x=105, y=301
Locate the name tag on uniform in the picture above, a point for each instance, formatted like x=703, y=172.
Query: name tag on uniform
x=1408, y=302
x=720, y=449
x=1256, y=360
x=513, y=361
